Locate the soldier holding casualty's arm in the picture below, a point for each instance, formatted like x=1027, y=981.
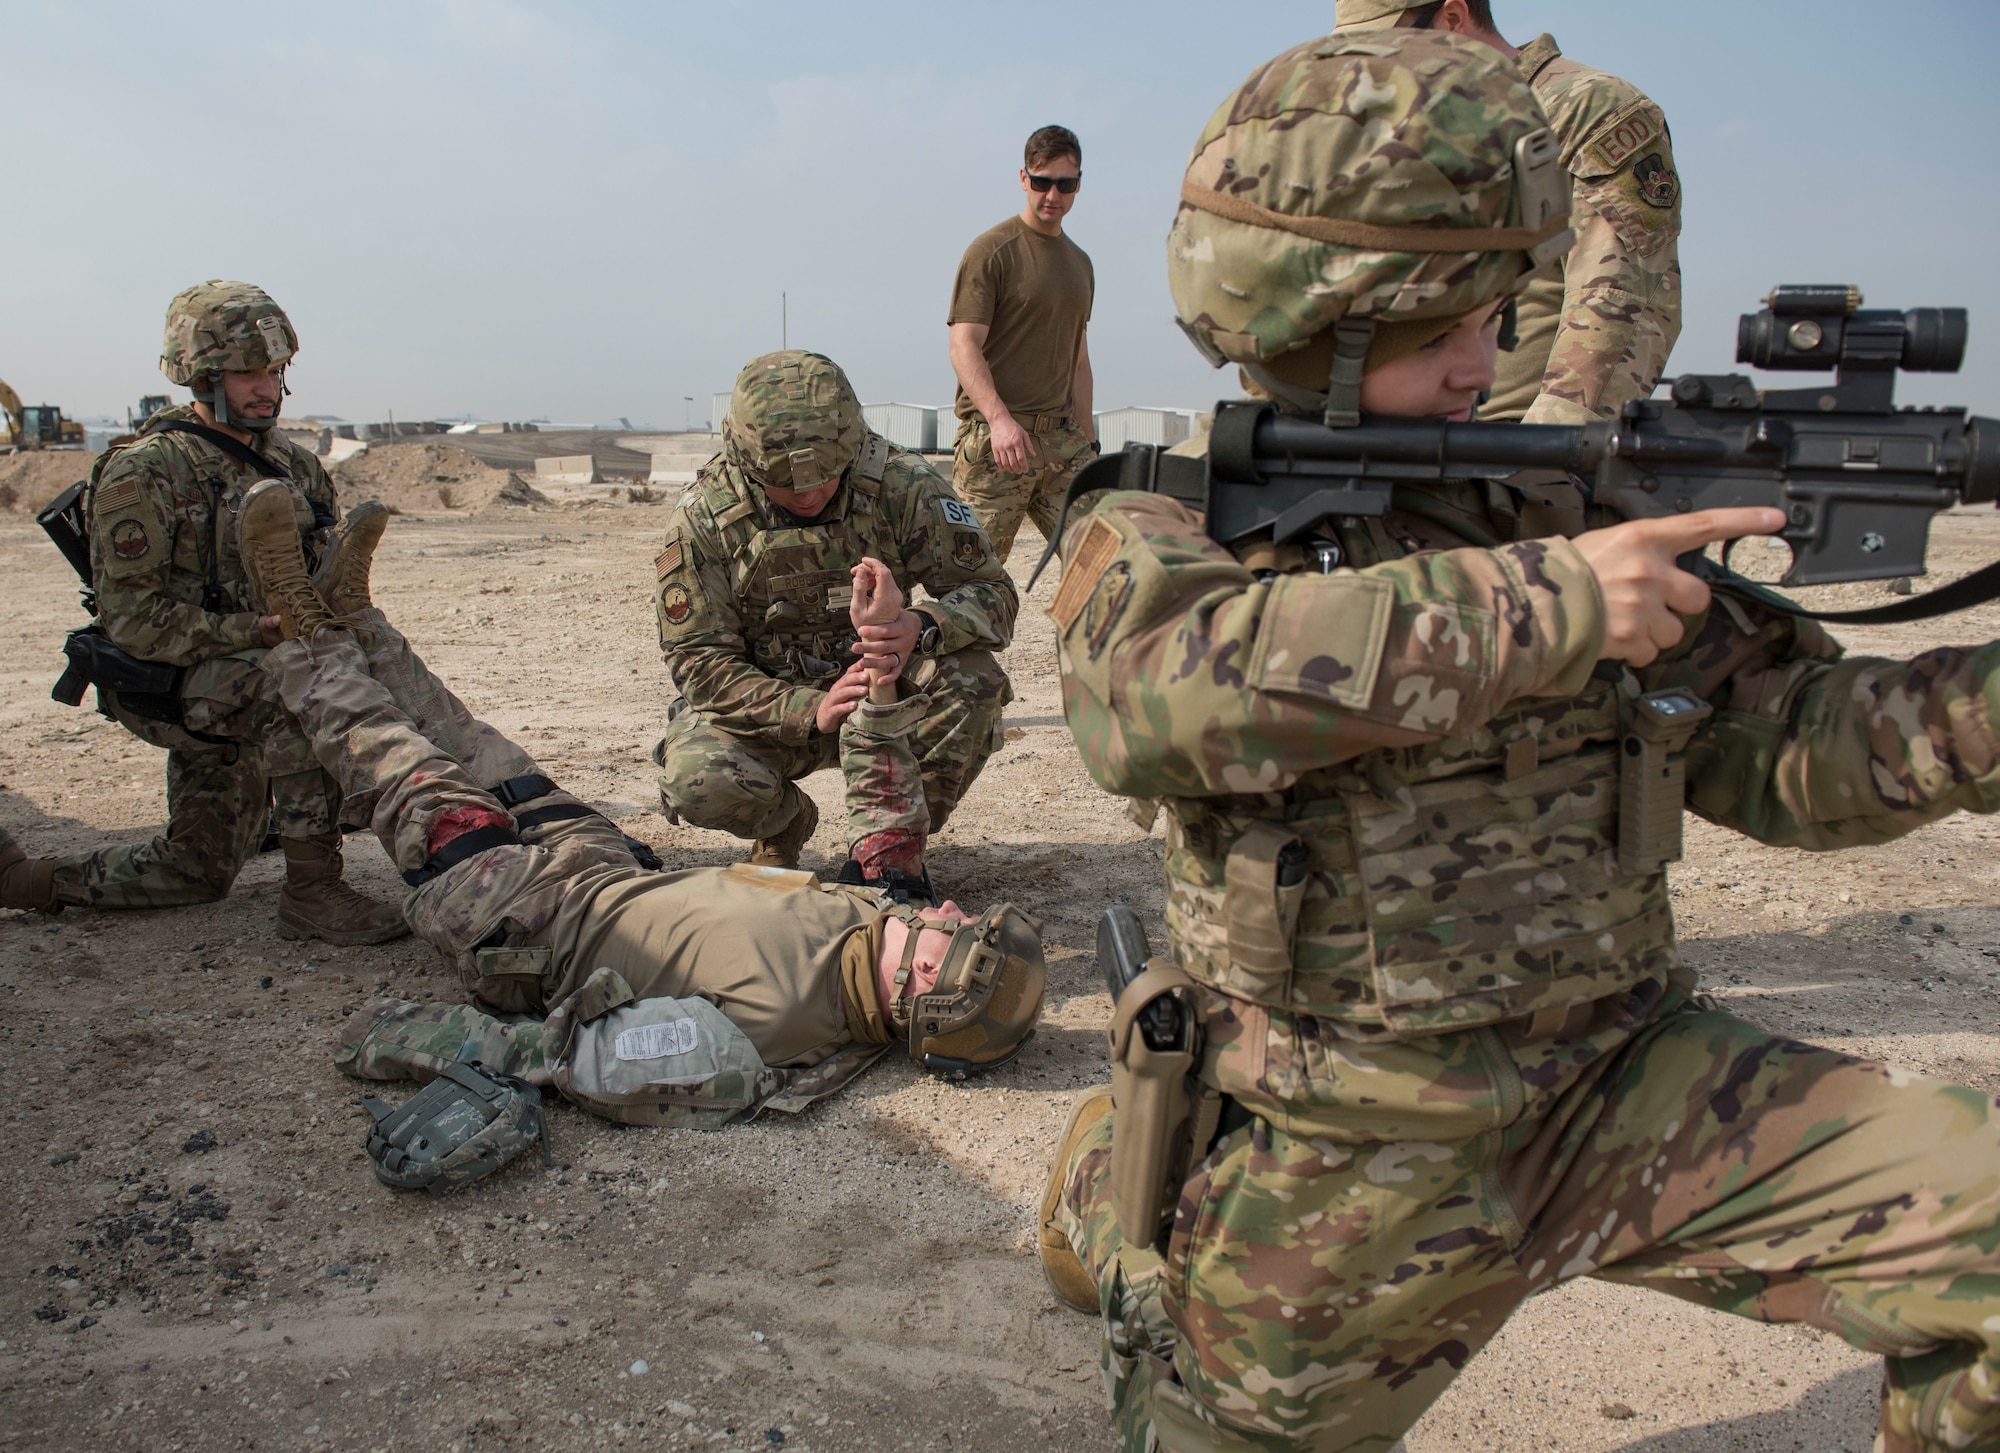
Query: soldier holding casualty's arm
x=1450, y=1056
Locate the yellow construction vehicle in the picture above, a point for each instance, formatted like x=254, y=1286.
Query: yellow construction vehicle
x=36, y=426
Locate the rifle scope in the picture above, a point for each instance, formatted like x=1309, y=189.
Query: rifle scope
x=1822, y=327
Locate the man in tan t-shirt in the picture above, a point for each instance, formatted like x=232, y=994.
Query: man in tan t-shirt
x=1019, y=308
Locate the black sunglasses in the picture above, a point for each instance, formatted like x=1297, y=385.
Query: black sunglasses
x=1065, y=185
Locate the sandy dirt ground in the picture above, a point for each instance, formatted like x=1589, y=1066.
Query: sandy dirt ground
x=197, y=1257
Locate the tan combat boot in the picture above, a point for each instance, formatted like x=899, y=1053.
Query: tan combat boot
x=1068, y=1277
x=25, y=882
x=782, y=851
x=267, y=536
x=343, y=580
x=316, y=902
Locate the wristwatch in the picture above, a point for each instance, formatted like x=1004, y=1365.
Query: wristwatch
x=930, y=637
x=1096, y=446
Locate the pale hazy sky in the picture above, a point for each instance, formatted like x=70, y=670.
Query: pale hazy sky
x=589, y=210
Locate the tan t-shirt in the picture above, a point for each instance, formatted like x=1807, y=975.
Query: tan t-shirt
x=763, y=945
x=1034, y=294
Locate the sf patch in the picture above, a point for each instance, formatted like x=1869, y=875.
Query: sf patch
x=129, y=541
x=1657, y=184
x=968, y=548
x=958, y=512
x=676, y=605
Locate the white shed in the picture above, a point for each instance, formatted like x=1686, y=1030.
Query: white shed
x=909, y=426
x=718, y=408
x=1165, y=427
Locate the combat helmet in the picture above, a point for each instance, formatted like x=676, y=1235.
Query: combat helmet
x=987, y=998
x=221, y=326
x=794, y=421
x=1353, y=199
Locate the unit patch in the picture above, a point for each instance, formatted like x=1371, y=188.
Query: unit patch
x=968, y=548
x=1658, y=186
x=1623, y=139
x=1107, y=604
x=128, y=540
x=958, y=512
x=668, y=560
x=676, y=605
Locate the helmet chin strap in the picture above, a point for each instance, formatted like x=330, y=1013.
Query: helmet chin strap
x=218, y=405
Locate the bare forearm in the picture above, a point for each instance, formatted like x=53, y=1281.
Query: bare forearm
x=968, y=361
x=1082, y=391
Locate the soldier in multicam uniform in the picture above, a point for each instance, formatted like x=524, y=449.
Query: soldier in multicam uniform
x=532, y=895
x=1596, y=331
x=752, y=601
x=170, y=588
x=1451, y=1056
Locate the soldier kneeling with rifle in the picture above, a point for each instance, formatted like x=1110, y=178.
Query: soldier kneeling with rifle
x=1423, y=732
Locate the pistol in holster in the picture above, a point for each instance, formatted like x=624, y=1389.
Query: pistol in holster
x=1160, y=1110
x=147, y=689
x=1652, y=777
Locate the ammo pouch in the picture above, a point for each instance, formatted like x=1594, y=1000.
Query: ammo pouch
x=1652, y=778
x=1160, y=1110
x=148, y=689
x=1264, y=886
x=463, y=1125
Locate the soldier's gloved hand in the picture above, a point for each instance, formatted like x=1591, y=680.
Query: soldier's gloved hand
x=841, y=698
x=1646, y=594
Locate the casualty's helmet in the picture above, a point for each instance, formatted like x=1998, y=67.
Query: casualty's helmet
x=1387, y=180
x=987, y=998
x=217, y=327
x=794, y=421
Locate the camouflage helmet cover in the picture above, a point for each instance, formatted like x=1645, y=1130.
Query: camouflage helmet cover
x=1325, y=187
x=220, y=326
x=793, y=422
x=987, y=998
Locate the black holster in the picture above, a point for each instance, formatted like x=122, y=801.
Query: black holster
x=150, y=690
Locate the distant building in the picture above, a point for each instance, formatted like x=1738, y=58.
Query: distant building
x=718, y=407
x=908, y=426
x=1165, y=427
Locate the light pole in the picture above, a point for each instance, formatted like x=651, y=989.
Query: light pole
x=687, y=415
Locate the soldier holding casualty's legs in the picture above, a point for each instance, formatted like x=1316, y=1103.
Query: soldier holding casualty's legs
x=173, y=602
x=1449, y=1055
x=538, y=902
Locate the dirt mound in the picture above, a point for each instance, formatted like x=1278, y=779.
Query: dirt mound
x=29, y=481
x=424, y=476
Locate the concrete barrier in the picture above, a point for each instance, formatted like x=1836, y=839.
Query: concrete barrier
x=338, y=449
x=567, y=469
x=679, y=467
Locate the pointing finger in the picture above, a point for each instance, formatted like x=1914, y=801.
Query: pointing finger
x=1705, y=527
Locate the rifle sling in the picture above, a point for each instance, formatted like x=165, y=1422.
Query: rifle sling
x=235, y=448
x=1978, y=588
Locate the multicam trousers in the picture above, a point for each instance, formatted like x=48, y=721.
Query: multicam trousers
x=1321, y=1289
x=219, y=796
x=745, y=785
x=1001, y=498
